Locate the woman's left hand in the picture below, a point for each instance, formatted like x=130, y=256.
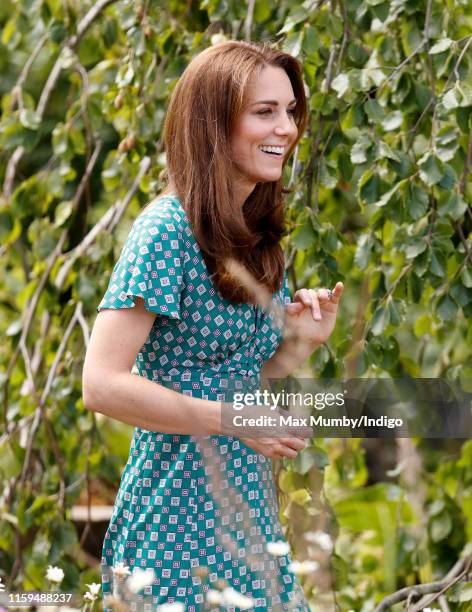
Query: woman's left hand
x=312, y=315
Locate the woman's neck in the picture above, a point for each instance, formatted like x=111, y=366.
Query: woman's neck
x=241, y=191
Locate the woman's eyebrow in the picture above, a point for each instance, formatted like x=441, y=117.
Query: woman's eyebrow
x=273, y=102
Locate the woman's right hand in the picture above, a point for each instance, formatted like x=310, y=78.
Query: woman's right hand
x=277, y=447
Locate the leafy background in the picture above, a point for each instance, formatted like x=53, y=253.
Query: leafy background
x=381, y=192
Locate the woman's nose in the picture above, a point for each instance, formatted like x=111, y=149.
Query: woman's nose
x=286, y=126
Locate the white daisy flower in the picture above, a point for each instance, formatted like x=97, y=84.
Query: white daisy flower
x=303, y=568
x=177, y=606
x=94, y=588
x=321, y=539
x=278, y=549
x=214, y=597
x=230, y=597
x=140, y=579
x=89, y=597
x=54, y=574
x=121, y=570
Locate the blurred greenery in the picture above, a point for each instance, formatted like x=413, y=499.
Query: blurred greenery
x=381, y=193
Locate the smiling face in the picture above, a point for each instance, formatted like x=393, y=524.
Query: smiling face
x=266, y=121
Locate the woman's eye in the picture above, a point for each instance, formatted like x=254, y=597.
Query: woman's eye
x=290, y=111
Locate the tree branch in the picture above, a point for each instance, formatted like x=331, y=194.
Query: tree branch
x=451, y=578
x=108, y=221
x=452, y=73
x=86, y=176
x=248, y=20
x=429, y=61
x=346, y=33
x=18, y=87
x=39, y=411
x=28, y=318
x=460, y=568
x=51, y=81
x=467, y=162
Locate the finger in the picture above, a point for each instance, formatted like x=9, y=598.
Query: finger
x=337, y=292
x=295, y=443
x=295, y=308
x=304, y=296
x=315, y=308
x=301, y=431
x=323, y=295
x=286, y=451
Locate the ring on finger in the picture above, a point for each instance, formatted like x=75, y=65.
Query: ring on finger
x=328, y=291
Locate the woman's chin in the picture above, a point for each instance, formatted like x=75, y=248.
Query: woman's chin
x=269, y=177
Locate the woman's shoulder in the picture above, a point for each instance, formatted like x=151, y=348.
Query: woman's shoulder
x=164, y=217
x=166, y=207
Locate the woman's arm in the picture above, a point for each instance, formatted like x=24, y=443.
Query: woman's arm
x=110, y=388
x=291, y=353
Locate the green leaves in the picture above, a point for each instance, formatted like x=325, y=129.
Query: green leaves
x=438, y=264
x=392, y=121
x=442, y=45
x=63, y=537
x=385, y=152
x=340, y=84
x=440, y=527
x=369, y=187
x=298, y=16
x=293, y=43
x=310, y=457
x=29, y=119
x=416, y=201
x=359, y=150
x=431, y=169
x=62, y=213
x=386, y=197
x=446, y=308
x=300, y=497
x=461, y=593
x=304, y=237
x=454, y=206
x=422, y=326
x=374, y=111
x=363, y=251
x=328, y=174
x=380, y=320
x=390, y=194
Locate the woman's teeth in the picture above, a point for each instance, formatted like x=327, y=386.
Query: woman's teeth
x=272, y=150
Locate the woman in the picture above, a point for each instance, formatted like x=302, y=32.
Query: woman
x=196, y=506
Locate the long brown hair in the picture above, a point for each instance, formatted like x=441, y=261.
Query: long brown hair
x=204, y=105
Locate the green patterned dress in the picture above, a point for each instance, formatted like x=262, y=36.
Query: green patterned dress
x=188, y=502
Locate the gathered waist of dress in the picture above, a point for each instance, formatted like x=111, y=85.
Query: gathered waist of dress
x=207, y=383
x=203, y=369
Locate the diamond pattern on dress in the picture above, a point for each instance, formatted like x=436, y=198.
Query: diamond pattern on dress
x=186, y=502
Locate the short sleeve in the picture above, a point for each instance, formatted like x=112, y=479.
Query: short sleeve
x=150, y=266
